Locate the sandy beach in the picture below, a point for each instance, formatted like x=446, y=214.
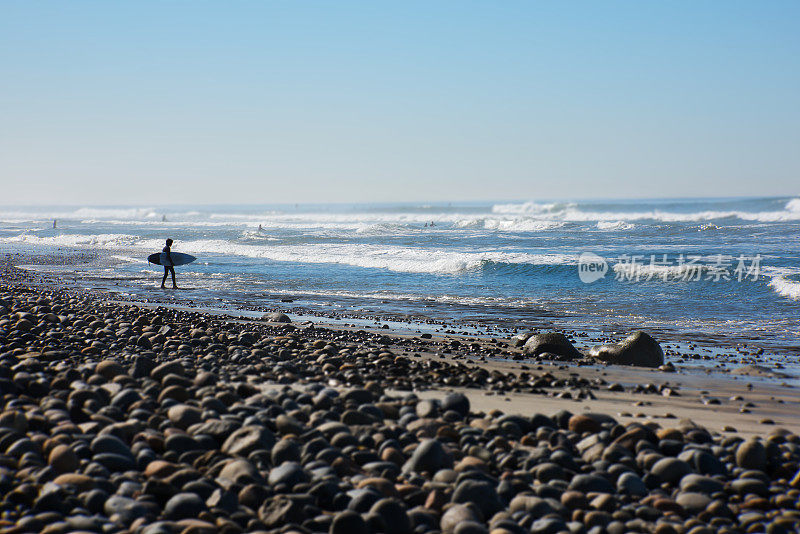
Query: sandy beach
x=134, y=417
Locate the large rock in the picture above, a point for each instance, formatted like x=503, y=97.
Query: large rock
x=552, y=342
x=276, y=317
x=638, y=349
x=520, y=339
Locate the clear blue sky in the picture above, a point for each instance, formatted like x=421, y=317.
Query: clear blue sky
x=170, y=102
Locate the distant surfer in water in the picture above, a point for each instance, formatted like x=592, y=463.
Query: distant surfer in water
x=169, y=265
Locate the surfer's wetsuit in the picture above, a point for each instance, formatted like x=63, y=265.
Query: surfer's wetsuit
x=168, y=267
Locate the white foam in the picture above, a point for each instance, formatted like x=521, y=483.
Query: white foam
x=572, y=213
x=511, y=216
x=666, y=216
x=531, y=207
x=515, y=224
x=393, y=258
x=114, y=213
x=385, y=295
x=781, y=282
x=102, y=241
x=128, y=259
x=785, y=288
x=614, y=225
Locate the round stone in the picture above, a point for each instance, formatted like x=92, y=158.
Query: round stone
x=349, y=522
x=700, y=484
x=631, y=484
x=63, y=459
x=591, y=484
x=671, y=470
x=457, y=402
x=184, y=506
x=751, y=454
x=394, y=516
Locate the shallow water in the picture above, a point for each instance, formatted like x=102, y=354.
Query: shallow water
x=506, y=263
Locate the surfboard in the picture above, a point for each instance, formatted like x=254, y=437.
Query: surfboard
x=178, y=258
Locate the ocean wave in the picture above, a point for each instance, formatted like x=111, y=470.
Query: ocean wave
x=673, y=217
x=114, y=213
x=102, y=241
x=412, y=297
x=126, y=215
x=614, y=225
x=519, y=224
x=782, y=280
x=532, y=207
x=572, y=212
x=393, y=258
x=786, y=288
x=244, y=216
x=381, y=229
x=526, y=216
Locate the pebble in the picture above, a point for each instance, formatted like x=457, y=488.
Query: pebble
x=184, y=506
x=751, y=454
x=156, y=420
x=671, y=470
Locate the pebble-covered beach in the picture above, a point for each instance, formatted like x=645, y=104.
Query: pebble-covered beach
x=122, y=418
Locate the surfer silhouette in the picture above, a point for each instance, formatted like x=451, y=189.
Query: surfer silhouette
x=169, y=265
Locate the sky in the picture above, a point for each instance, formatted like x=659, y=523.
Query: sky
x=298, y=101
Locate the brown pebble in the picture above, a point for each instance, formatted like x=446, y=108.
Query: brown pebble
x=80, y=482
x=63, y=459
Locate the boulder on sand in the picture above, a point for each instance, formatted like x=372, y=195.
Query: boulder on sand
x=276, y=317
x=520, y=339
x=638, y=349
x=552, y=342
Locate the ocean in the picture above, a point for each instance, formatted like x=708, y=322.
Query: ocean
x=721, y=268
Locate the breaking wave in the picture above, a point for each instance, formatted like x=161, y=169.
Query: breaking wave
x=393, y=258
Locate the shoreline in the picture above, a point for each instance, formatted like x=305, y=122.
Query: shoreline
x=710, y=350
x=395, y=388
x=720, y=383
